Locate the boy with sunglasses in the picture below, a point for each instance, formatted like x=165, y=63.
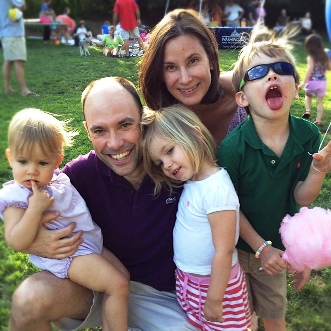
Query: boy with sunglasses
x=274, y=161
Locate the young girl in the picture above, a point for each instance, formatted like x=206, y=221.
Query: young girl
x=210, y=283
x=36, y=140
x=314, y=82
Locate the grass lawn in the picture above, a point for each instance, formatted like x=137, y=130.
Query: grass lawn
x=59, y=75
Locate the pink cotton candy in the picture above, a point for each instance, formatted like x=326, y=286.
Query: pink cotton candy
x=307, y=239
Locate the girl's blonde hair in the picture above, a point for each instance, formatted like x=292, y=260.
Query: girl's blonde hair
x=30, y=127
x=181, y=126
x=264, y=41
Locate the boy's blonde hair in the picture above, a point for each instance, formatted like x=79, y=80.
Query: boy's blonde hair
x=30, y=127
x=182, y=127
x=263, y=41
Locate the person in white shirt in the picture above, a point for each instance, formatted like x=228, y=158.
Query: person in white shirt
x=82, y=32
x=179, y=150
x=306, y=24
x=234, y=13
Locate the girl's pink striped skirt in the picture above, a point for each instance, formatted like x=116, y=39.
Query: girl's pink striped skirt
x=192, y=292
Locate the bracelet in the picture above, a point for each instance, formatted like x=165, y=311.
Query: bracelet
x=260, y=249
x=321, y=172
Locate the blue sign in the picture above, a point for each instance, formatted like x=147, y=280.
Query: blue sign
x=232, y=37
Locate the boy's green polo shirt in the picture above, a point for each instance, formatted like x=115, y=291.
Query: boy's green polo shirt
x=265, y=182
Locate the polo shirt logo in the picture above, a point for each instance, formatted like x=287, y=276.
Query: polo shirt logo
x=170, y=200
x=298, y=165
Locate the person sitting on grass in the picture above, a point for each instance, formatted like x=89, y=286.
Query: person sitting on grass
x=112, y=43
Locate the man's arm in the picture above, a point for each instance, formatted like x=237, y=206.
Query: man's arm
x=250, y=17
x=241, y=13
x=138, y=16
x=21, y=5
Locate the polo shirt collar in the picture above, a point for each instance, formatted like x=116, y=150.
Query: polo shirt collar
x=300, y=132
x=103, y=168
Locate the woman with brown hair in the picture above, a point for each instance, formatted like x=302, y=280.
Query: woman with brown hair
x=181, y=65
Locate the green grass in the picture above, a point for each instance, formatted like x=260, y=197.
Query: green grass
x=59, y=75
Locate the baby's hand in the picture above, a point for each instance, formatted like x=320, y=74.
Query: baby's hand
x=301, y=86
x=40, y=200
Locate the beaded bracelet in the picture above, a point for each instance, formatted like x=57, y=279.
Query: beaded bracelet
x=260, y=249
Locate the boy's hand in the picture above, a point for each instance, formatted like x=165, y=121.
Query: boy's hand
x=271, y=260
x=322, y=159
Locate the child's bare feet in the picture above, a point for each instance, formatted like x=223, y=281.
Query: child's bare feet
x=28, y=93
x=10, y=90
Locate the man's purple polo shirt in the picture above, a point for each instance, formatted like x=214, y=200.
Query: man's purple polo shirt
x=137, y=226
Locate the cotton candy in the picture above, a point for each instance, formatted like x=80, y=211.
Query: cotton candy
x=307, y=239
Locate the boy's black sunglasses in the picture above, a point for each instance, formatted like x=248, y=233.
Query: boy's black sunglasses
x=261, y=70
